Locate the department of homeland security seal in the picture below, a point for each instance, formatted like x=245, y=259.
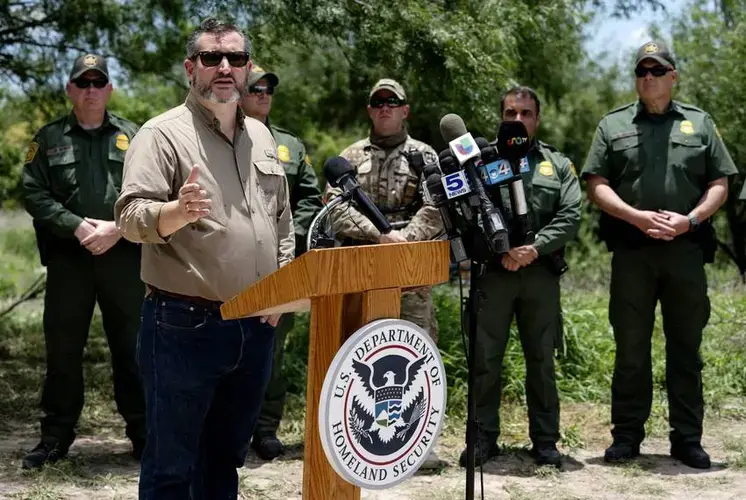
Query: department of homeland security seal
x=382, y=403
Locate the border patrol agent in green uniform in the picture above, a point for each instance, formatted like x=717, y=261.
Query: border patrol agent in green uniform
x=71, y=179
x=658, y=169
x=525, y=283
x=305, y=203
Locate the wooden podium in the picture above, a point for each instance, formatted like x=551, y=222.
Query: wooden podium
x=345, y=288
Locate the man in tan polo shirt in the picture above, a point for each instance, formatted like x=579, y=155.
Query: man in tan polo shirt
x=205, y=194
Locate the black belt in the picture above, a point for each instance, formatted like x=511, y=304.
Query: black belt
x=198, y=301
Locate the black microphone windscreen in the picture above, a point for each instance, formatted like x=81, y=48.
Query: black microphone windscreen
x=482, y=143
x=451, y=127
x=512, y=140
x=335, y=168
x=429, y=170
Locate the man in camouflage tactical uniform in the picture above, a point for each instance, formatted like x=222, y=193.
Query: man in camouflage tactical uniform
x=305, y=202
x=71, y=179
x=659, y=170
x=525, y=284
x=383, y=168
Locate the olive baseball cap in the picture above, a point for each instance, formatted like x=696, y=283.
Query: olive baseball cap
x=656, y=50
x=88, y=62
x=389, y=84
x=257, y=73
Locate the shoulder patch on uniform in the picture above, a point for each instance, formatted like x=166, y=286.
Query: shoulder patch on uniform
x=572, y=169
x=545, y=168
x=283, y=153
x=31, y=151
x=123, y=142
x=307, y=159
x=717, y=130
x=686, y=127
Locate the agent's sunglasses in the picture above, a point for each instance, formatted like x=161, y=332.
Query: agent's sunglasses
x=656, y=71
x=261, y=89
x=83, y=83
x=393, y=102
x=211, y=59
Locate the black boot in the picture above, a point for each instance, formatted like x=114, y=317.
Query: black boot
x=620, y=451
x=268, y=447
x=483, y=451
x=47, y=451
x=691, y=454
x=546, y=453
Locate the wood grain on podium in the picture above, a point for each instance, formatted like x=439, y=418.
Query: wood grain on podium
x=333, y=271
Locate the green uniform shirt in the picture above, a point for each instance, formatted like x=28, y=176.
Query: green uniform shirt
x=659, y=161
x=71, y=173
x=554, y=198
x=305, y=194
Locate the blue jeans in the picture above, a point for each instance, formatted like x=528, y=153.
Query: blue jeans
x=204, y=380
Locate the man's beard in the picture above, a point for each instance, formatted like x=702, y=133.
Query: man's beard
x=205, y=90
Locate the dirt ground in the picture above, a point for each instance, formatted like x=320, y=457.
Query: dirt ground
x=99, y=467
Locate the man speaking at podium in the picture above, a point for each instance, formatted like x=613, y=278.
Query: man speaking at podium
x=204, y=192
x=386, y=172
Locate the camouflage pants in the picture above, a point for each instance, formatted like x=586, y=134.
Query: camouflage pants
x=417, y=306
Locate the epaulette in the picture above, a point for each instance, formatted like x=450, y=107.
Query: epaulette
x=690, y=107
x=622, y=108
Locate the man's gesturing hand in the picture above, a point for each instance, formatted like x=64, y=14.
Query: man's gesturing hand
x=193, y=201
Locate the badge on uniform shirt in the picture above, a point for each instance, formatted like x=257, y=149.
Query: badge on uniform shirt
x=687, y=127
x=283, y=153
x=31, y=152
x=123, y=142
x=545, y=168
x=572, y=169
x=308, y=161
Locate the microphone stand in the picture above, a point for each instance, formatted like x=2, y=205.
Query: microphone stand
x=473, y=305
x=313, y=230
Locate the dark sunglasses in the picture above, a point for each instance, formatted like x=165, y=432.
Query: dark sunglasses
x=210, y=59
x=656, y=71
x=83, y=83
x=393, y=102
x=261, y=89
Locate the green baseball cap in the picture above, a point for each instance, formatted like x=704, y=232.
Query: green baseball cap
x=88, y=62
x=389, y=84
x=257, y=73
x=656, y=50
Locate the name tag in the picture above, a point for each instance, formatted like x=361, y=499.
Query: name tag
x=455, y=184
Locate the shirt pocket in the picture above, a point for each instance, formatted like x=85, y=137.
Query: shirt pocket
x=545, y=197
x=63, y=173
x=626, y=154
x=270, y=182
x=116, y=165
x=688, y=152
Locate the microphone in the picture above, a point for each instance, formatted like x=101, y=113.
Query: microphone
x=513, y=145
x=340, y=173
x=437, y=194
x=466, y=151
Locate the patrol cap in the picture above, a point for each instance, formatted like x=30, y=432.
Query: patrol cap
x=88, y=62
x=656, y=50
x=257, y=73
x=389, y=84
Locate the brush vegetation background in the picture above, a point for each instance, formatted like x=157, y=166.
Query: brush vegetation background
x=327, y=54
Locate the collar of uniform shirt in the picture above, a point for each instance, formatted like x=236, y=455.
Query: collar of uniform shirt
x=673, y=107
x=207, y=116
x=72, y=121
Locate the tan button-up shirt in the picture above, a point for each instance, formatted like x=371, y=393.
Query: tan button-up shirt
x=249, y=232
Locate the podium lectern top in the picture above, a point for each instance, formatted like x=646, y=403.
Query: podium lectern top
x=343, y=270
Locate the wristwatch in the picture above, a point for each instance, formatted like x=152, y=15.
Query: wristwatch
x=693, y=222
